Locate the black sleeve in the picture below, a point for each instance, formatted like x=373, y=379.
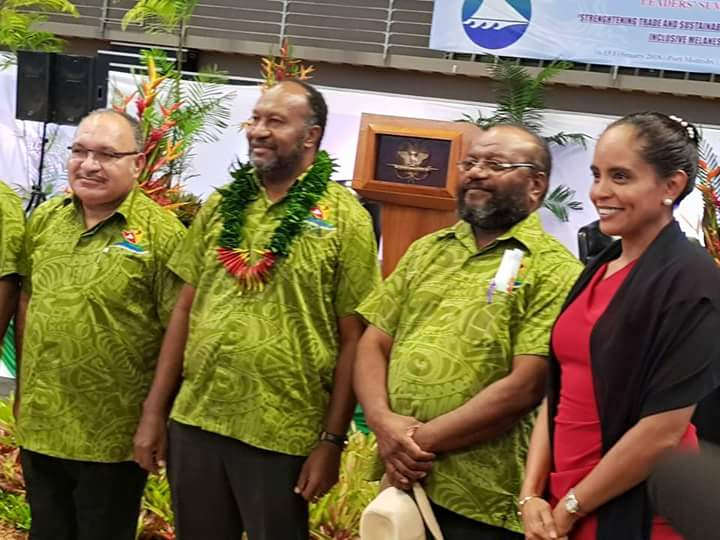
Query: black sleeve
x=686, y=366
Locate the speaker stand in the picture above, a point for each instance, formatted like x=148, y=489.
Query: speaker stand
x=37, y=196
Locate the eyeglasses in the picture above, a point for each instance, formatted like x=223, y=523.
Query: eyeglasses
x=101, y=156
x=467, y=165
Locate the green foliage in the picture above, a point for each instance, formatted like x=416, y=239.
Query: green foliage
x=14, y=510
x=157, y=497
x=560, y=201
x=520, y=97
x=160, y=16
x=156, y=516
x=7, y=424
x=708, y=182
x=17, y=26
x=188, y=206
x=204, y=111
x=563, y=139
x=337, y=515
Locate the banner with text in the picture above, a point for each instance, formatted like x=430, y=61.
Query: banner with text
x=681, y=35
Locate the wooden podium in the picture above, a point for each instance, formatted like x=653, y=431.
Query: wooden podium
x=408, y=165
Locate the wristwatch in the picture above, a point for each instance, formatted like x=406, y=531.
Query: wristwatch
x=337, y=440
x=572, y=505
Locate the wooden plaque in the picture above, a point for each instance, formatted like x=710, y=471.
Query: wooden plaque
x=409, y=165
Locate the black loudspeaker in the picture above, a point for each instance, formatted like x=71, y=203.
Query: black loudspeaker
x=592, y=241
x=74, y=86
x=34, y=70
x=100, y=82
x=71, y=92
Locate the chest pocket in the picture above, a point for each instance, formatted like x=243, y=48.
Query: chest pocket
x=313, y=256
x=122, y=276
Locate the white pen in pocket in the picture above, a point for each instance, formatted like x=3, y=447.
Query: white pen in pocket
x=504, y=279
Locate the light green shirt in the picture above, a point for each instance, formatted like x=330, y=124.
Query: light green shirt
x=12, y=229
x=259, y=365
x=99, y=303
x=451, y=340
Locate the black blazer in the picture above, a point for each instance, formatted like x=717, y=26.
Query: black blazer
x=656, y=348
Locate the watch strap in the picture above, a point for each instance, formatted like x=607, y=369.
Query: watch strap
x=337, y=440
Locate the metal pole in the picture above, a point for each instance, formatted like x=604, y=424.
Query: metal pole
x=283, y=21
x=103, y=16
x=388, y=28
x=36, y=193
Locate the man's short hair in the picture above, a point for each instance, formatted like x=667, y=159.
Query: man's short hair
x=132, y=121
x=542, y=158
x=318, y=107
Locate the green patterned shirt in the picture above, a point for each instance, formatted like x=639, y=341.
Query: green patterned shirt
x=259, y=365
x=99, y=303
x=12, y=229
x=450, y=342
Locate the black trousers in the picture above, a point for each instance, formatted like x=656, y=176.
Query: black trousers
x=82, y=500
x=457, y=527
x=222, y=487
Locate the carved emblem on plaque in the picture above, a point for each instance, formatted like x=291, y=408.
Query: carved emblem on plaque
x=410, y=160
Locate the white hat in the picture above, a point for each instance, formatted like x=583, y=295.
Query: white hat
x=395, y=515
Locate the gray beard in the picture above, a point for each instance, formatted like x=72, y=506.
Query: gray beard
x=280, y=165
x=501, y=212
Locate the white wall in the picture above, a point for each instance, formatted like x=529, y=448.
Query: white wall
x=345, y=107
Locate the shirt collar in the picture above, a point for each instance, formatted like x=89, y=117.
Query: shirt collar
x=528, y=232
x=125, y=208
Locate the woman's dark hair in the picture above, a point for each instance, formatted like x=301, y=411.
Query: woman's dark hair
x=670, y=144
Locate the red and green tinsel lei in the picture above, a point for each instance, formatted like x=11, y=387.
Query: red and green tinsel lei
x=236, y=197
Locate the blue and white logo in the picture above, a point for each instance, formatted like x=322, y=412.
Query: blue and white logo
x=496, y=24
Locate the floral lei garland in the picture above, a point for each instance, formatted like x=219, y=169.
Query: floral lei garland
x=301, y=197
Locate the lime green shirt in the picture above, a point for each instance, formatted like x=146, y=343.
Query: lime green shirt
x=99, y=303
x=451, y=339
x=259, y=365
x=12, y=229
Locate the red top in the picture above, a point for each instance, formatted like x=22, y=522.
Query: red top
x=577, y=442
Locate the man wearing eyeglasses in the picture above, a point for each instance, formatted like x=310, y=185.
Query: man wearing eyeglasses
x=453, y=360
x=96, y=299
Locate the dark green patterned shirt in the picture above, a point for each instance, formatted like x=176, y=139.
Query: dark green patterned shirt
x=99, y=303
x=451, y=339
x=259, y=365
x=12, y=229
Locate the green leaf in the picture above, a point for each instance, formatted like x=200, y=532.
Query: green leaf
x=520, y=99
x=561, y=201
x=563, y=139
x=17, y=26
x=160, y=16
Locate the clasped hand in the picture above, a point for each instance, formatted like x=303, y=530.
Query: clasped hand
x=542, y=522
x=405, y=461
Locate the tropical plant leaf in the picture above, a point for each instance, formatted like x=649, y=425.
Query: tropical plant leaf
x=560, y=201
x=17, y=25
x=50, y=6
x=563, y=139
x=160, y=16
x=520, y=99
